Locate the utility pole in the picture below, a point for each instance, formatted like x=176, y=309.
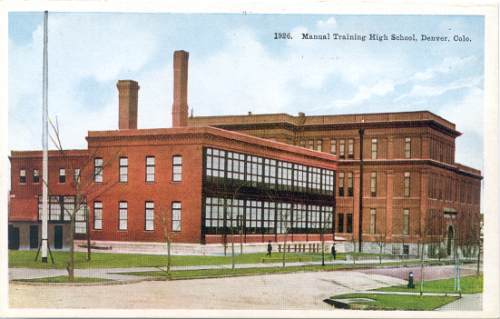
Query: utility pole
x=45, y=128
x=361, y=164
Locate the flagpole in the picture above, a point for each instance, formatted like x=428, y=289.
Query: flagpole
x=45, y=127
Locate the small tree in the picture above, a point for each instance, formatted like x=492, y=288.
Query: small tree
x=284, y=220
x=166, y=238
x=83, y=187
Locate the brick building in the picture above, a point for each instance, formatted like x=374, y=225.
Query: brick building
x=196, y=185
x=413, y=190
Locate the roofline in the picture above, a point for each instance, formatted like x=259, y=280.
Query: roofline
x=294, y=119
x=51, y=153
x=214, y=131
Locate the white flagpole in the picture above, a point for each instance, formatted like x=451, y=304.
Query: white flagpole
x=45, y=128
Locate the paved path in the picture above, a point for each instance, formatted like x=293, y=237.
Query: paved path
x=430, y=272
x=469, y=302
x=113, y=273
x=304, y=290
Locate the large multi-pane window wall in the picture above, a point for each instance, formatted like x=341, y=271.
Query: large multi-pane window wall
x=60, y=209
x=265, y=217
x=265, y=172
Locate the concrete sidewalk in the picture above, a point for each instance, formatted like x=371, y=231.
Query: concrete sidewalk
x=469, y=302
x=113, y=273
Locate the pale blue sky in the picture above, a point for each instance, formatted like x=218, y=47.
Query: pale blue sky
x=236, y=67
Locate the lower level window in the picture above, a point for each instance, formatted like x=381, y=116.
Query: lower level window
x=123, y=216
x=176, y=216
x=80, y=220
x=97, y=215
x=149, y=216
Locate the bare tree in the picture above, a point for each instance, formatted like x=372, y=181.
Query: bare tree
x=167, y=239
x=82, y=185
x=284, y=220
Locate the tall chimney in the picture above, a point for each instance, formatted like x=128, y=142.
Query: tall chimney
x=127, y=100
x=180, y=105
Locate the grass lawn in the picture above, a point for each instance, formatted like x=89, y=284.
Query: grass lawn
x=224, y=272
x=215, y=273
x=64, y=279
x=25, y=258
x=397, y=302
x=468, y=285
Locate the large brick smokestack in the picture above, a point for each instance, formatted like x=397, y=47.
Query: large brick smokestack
x=128, y=91
x=180, y=105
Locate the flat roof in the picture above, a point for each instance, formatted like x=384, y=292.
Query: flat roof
x=212, y=131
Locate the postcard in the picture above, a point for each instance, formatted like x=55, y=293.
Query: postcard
x=250, y=160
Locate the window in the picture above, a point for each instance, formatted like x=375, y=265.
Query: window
x=123, y=169
x=98, y=170
x=350, y=183
x=235, y=214
x=319, y=145
x=327, y=218
x=407, y=184
x=236, y=166
x=80, y=219
x=284, y=217
x=36, y=176
x=253, y=217
x=299, y=177
x=350, y=148
x=150, y=169
x=373, y=221
x=407, y=147
x=62, y=175
x=341, y=183
x=313, y=224
x=55, y=208
x=342, y=148
x=215, y=161
x=97, y=215
x=314, y=179
x=76, y=176
x=68, y=206
x=302, y=143
x=340, y=223
x=149, y=216
x=269, y=216
x=310, y=144
x=176, y=216
x=214, y=215
x=328, y=184
x=22, y=176
x=270, y=171
x=254, y=169
x=349, y=223
x=285, y=175
x=333, y=147
x=177, y=168
x=406, y=221
x=123, y=216
x=374, y=148
x=299, y=219
x=373, y=184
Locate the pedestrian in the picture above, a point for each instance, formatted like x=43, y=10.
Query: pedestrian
x=269, y=248
x=334, y=252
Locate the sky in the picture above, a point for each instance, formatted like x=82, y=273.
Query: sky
x=236, y=66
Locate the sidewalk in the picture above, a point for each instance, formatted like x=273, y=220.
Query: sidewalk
x=469, y=302
x=115, y=273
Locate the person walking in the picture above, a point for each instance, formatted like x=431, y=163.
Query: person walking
x=269, y=248
x=334, y=252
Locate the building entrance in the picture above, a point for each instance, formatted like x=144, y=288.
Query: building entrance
x=58, y=237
